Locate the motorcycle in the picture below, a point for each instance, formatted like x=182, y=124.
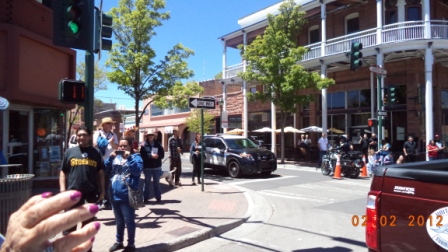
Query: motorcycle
x=351, y=163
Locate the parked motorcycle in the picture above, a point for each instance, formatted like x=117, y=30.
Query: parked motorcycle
x=351, y=163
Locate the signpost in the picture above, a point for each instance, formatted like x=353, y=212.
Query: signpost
x=202, y=103
x=381, y=72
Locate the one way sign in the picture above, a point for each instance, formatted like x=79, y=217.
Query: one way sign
x=205, y=103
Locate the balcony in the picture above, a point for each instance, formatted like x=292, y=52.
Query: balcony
x=393, y=33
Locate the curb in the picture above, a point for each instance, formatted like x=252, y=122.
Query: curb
x=203, y=234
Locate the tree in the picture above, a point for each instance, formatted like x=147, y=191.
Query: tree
x=272, y=62
x=133, y=61
x=99, y=78
x=193, y=122
x=177, y=96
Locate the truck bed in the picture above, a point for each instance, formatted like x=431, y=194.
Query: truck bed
x=412, y=207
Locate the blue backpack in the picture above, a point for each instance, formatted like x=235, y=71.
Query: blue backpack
x=102, y=144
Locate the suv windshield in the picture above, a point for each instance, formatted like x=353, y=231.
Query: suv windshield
x=240, y=143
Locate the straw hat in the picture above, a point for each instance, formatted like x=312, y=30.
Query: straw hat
x=149, y=132
x=106, y=120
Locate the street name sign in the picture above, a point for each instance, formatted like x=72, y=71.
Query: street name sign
x=204, y=103
x=378, y=70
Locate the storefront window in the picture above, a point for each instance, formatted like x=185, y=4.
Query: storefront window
x=336, y=100
x=49, y=130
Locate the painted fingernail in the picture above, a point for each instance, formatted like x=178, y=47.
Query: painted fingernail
x=92, y=239
x=93, y=209
x=46, y=194
x=97, y=226
x=75, y=195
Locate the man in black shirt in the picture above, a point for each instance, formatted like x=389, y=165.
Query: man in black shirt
x=409, y=149
x=373, y=142
x=82, y=170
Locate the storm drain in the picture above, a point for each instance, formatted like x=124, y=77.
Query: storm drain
x=182, y=231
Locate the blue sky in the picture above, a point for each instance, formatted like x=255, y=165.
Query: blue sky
x=197, y=24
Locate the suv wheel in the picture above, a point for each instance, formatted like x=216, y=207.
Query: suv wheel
x=234, y=169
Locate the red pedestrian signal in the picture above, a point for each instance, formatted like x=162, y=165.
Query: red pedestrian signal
x=372, y=122
x=72, y=91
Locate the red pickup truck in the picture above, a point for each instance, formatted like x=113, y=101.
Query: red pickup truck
x=407, y=208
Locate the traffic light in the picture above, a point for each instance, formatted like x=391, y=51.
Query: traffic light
x=72, y=91
x=73, y=23
x=355, y=56
x=103, y=29
x=372, y=122
x=386, y=97
x=392, y=94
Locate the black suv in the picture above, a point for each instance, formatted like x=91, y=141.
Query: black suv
x=238, y=155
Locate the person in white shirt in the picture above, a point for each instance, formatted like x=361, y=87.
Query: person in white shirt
x=323, y=147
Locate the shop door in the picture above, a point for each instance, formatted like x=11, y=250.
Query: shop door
x=18, y=141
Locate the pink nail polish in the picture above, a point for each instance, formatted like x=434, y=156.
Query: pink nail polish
x=97, y=226
x=93, y=209
x=75, y=195
x=46, y=194
x=92, y=239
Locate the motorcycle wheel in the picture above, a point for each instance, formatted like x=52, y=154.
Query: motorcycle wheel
x=355, y=173
x=325, y=169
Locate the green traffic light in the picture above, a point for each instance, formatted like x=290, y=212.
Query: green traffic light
x=73, y=28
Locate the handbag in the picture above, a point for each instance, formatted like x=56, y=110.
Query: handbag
x=135, y=197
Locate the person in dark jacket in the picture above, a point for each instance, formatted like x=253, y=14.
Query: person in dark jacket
x=152, y=154
x=409, y=149
x=195, y=152
x=124, y=167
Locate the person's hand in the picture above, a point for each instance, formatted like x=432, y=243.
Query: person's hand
x=155, y=156
x=127, y=154
x=40, y=218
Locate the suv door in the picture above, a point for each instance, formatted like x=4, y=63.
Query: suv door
x=220, y=150
x=208, y=142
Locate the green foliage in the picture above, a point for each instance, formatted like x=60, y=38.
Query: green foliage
x=99, y=77
x=193, y=122
x=218, y=76
x=132, y=60
x=272, y=62
x=178, y=95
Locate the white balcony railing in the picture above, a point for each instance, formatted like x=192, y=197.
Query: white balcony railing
x=398, y=32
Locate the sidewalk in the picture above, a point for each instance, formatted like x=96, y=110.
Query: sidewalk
x=186, y=216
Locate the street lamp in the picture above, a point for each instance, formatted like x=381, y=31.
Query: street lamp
x=220, y=103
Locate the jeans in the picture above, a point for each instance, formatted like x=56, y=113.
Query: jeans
x=155, y=174
x=321, y=155
x=176, y=175
x=124, y=214
x=196, y=168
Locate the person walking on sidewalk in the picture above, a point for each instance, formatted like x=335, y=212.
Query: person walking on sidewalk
x=175, y=148
x=82, y=169
x=195, y=153
x=322, y=143
x=152, y=154
x=112, y=144
x=125, y=168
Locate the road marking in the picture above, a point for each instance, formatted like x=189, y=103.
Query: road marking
x=330, y=188
x=261, y=181
x=296, y=196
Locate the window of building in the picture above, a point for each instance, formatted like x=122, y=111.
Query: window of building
x=445, y=99
x=235, y=121
x=352, y=23
x=156, y=111
x=336, y=100
x=313, y=35
x=358, y=98
x=253, y=90
x=391, y=16
x=413, y=10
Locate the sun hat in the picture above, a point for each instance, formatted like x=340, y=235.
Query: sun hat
x=149, y=132
x=107, y=120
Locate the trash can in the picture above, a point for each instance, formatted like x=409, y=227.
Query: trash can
x=15, y=189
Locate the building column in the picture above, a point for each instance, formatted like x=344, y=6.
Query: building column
x=273, y=127
x=379, y=22
x=323, y=74
x=426, y=17
x=224, y=60
x=245, y=106
x=429, y=116
x=323, y=27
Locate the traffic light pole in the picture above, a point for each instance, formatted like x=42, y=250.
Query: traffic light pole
x=89, y=78
x=380, y=108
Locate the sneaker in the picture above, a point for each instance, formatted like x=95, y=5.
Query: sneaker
x=116, y=247
x=193, y=183
x=129, y=249
x=106, y=207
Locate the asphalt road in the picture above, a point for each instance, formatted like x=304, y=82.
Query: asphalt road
x=295, y=209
